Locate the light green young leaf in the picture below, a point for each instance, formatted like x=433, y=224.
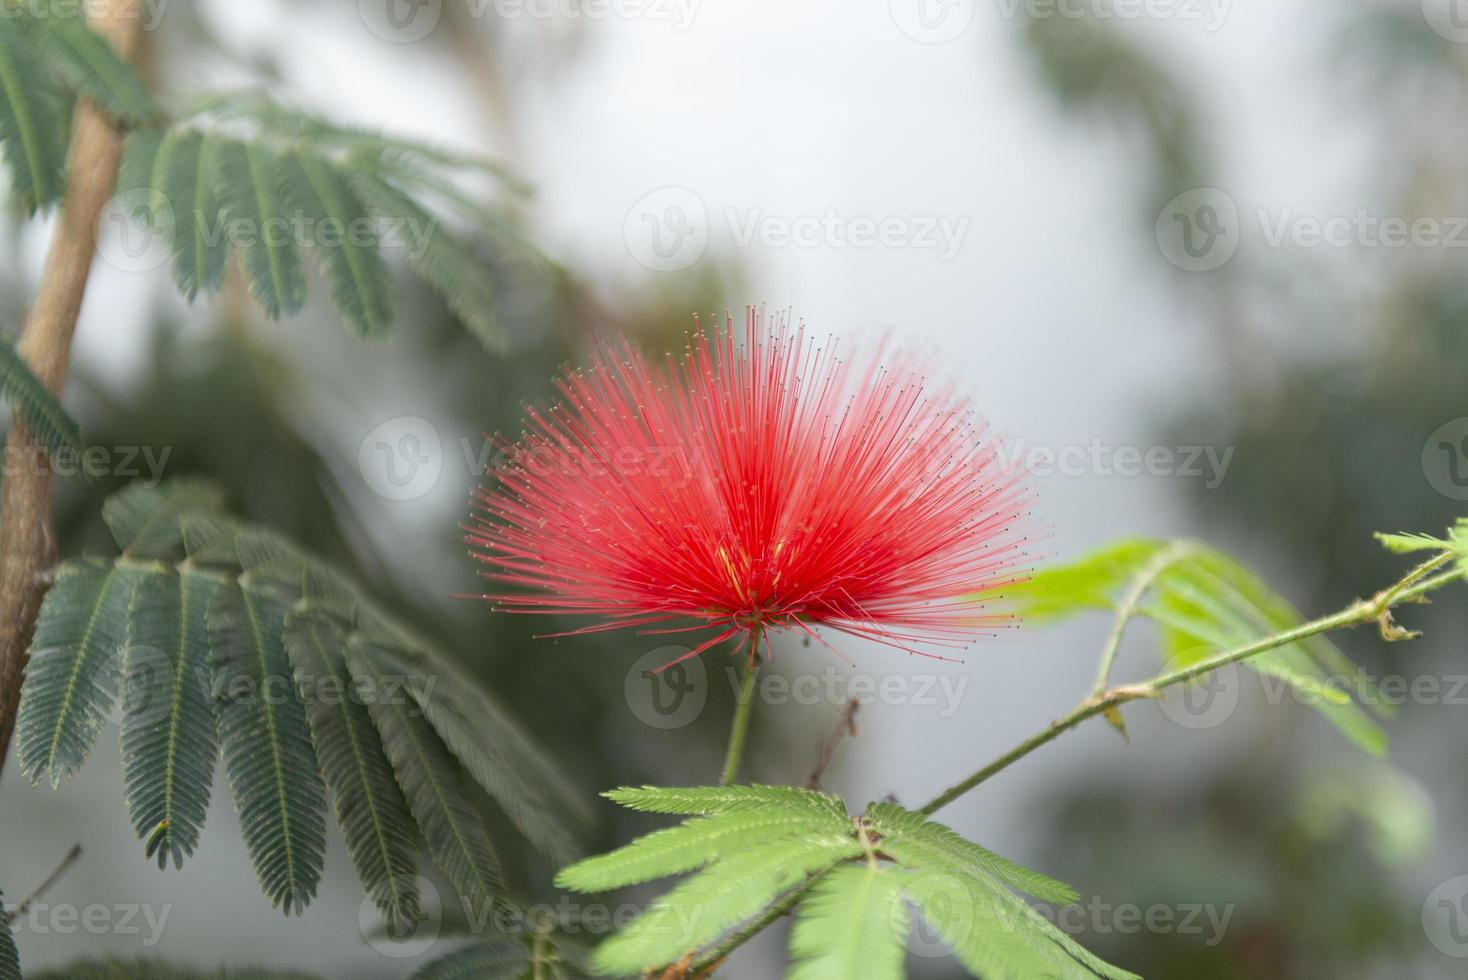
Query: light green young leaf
x=705, y=800
x=1205, y=602
x=721, y=896
x=1408, y=541
x=919, y=842
x=995, y=935
x=692, y=845
x=852, y=924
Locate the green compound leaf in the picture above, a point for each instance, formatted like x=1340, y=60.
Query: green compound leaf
x=76, y=659
x=168, y=738
x=42, y=413
x=381, y=835
x=271, y=761
x=852, y=924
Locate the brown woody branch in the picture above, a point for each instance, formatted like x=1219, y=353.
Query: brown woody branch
x=27, y=550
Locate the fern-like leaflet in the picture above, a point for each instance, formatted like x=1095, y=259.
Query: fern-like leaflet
x=48, y=55
x=42, y=413
x=855, y=881
x=219, y=629
x=244, y=173
x=1204, y=602
x=9, y=958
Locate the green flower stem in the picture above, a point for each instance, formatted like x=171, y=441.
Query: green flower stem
x=740, y=730
x=1411, y=587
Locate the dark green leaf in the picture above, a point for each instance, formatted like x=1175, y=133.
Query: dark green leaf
x=345, y=240
x=272, y=764
x=381, y=836
x=31, y=117
x=168, y=738
x=76, y=659
x=37, y=407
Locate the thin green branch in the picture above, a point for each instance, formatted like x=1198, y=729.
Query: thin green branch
x=1377, y=609
x=1410, y=588
x=1127, y=608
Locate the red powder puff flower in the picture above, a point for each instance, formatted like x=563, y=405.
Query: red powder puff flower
x=746, y=487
